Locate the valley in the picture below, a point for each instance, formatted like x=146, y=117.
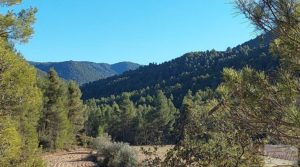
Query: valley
x=235, y=106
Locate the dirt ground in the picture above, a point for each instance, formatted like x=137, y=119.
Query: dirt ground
x=82, y=158
x=77, y=158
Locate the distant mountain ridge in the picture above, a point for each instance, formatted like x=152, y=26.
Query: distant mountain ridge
x=84, y=71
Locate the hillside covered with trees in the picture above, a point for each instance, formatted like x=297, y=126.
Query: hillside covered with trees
x=216, y=108
x=85, y=72
x=192, y=71
x=240, y=99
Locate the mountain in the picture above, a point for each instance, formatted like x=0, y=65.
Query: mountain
x=192, y=71
x=84, y=72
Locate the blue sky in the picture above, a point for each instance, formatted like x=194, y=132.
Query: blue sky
x=141, y=31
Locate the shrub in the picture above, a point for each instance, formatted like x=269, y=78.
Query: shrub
x=114, y=154
x=102, y=141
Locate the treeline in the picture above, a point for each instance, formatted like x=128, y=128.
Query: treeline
x=150, y=120
x=34, y=112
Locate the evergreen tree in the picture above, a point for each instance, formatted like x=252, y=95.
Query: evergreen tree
x=20, y=100
x=127, y=113
x=254, y=108
x=115, y=123
x=185, y=117
x=139, y=125
x=75, y=107
x=16, y=27
x=20, y=104
x=161, y=118
x=275, y=97
x=92, y=122
x=54, y=127
x=209, y=140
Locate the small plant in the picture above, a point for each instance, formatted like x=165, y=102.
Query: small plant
x=102, y=141
x=114, y=154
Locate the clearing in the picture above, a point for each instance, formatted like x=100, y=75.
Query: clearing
x=83, y=158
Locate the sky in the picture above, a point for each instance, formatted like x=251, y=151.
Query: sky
x=141, y=31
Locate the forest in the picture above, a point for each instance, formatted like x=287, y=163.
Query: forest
x=216, y=108
x=193, y=71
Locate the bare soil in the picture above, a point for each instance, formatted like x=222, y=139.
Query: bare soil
x=83, y=158
x=76, y=158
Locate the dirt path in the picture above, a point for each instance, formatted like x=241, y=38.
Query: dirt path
x=70, y=159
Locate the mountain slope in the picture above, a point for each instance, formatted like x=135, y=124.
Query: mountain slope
x=84, y=72
x=194, y=71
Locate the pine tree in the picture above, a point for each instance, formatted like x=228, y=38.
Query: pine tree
x=127, y=113
x=139, y=125
x=75, y=108
x=115, y=123
x=161, y=118
x=17, y=27
x=92, y=122
x=209, y=140
x=185, y=117
x=274, y=98
x=20, y=102
x=54, y=127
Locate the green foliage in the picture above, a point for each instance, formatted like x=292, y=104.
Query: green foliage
x=94, y=119
x=213, y=128
x=16, y=27
x=223, y=127
x=209, y=140
x=160, y=119
x=55, y=130
x=62, y=114
x=254, y=108
x=114, y=154
x=268, y=109
x=21, y=101
x=193, y=71
x=135, y=123
x=75, y=106
x=10, y=144
x=122, y=115
x=274, y=98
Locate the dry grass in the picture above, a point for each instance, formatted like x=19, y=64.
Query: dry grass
x=161, y=151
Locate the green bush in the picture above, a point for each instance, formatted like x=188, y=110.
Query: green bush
x=114, y=154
